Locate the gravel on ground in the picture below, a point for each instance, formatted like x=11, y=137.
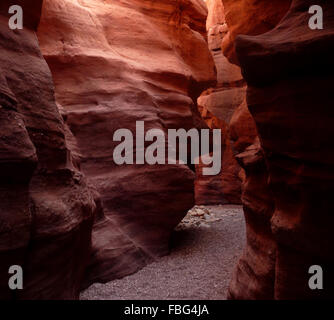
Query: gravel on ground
x=205, y=248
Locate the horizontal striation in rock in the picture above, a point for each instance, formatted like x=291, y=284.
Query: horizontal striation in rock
x=135, y=61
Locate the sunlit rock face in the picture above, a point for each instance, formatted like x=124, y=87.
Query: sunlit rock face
x=46, y=209
x=217, y=106
x=289, y=71
x=115, y=63
x=251, y=17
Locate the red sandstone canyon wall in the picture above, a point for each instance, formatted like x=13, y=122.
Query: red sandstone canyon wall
x=135, y=61
x=217, y=105
x=250, y=17
x=288, y=71
x=254, y=275
x=80, y=70
x=46, y=209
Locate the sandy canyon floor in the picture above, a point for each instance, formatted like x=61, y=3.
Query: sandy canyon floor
x=205, y=248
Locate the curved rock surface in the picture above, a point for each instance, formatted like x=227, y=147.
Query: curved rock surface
x=289, y=71
x=135, y=60
x=255, y=273
x=217, y=106
x=251, y=17
x=115, y=63
x=209, y=189
x=46, y=209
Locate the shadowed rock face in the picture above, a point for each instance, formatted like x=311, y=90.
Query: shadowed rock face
x=289, y=71
x=115, y=63
x=46, y=210
x=255, y=274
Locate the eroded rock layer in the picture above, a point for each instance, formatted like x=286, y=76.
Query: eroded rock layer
x=216, y=107
x=289, y=71
x=251, y=17
x=255, y=274
x=115, y=63
x=46, y=209
x=112, y=64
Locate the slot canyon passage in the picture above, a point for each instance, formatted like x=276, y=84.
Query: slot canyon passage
x=82, y=226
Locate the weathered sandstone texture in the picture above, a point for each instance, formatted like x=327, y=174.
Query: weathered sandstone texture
x=254, y=275
x=251, y=17
x=209, y=189
x=112, y=64
x=115, y=63
x=216, y=107
x=46, y=209
x=289, y=71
